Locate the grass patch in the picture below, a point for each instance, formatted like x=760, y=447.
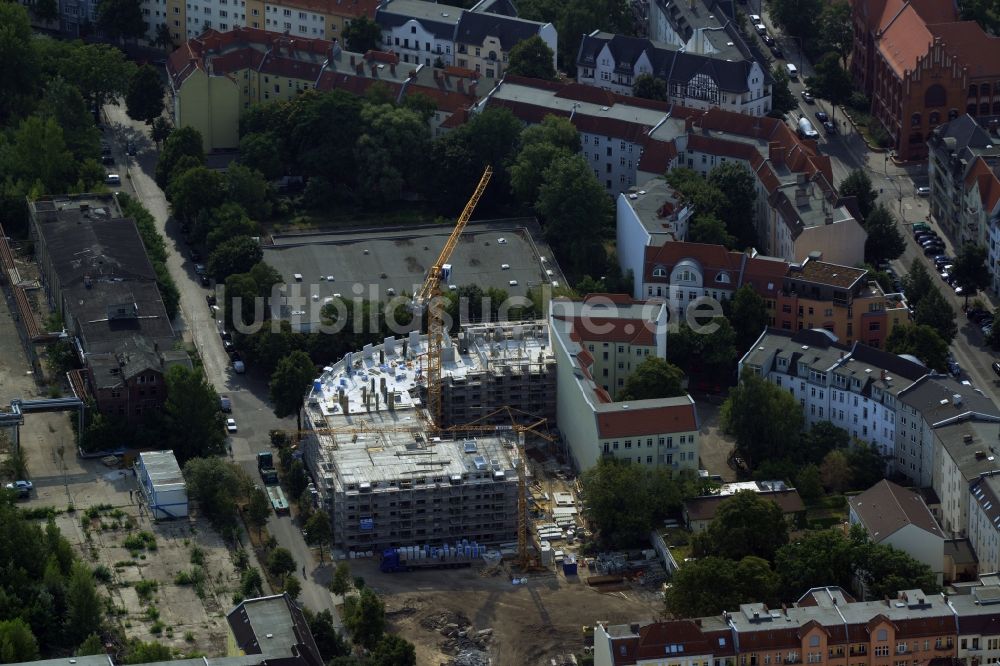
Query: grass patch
x=145, y=589
x=40, y=513
x=141, y=541
x=197, y=556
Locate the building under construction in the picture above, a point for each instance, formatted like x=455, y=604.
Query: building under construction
x=384, y=479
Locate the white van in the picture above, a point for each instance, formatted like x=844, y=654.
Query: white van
x=806, y=130
x=793, y=72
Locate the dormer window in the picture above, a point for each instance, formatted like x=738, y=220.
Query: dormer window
x=722, y=277
x=659, y=271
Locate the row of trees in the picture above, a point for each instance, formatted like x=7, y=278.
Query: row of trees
x=724, y=204
x=50, y=601
x=745, y=556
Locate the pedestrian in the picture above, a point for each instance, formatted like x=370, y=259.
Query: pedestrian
x=303, y=571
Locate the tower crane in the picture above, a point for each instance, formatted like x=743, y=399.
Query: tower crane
x=429, y=296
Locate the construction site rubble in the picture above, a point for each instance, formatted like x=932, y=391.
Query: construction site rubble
x=468, y=644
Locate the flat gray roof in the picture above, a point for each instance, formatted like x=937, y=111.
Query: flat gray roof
x=162, y=468
x=367, y=263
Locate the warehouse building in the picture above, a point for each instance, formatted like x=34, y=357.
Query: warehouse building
x=384, y=479
x=162, y=484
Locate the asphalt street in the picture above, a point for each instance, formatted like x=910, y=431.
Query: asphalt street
x=195, y=322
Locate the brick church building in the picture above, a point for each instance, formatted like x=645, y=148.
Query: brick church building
x=921, y=66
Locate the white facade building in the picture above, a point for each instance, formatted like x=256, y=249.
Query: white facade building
x=162, y=484
x=647, y=216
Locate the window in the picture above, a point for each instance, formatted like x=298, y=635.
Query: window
x=287, y=12
x=302, y=15
x=882, y=634
x=881, y=650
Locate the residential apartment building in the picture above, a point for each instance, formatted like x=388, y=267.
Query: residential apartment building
x=697, y=26
x=684, y=273
x=649, y=215
x=730, y=79
x=477, y=39
x=964, y=171
x=656, y=432
x=899, y=517
x=964, y=432
x=99, y=280
x=984, y=520
x=855, y=387
x=629, y=140
x=839, y=299
x=826, y=626
x=215, y=77
x=922, y=66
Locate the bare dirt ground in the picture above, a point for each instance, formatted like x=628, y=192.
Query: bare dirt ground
x=714, y=447
x=529, y=623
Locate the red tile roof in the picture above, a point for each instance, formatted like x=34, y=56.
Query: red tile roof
x=989, y=183
x=904, y=39
x=635, y=422
x=657, y=155
x=654, y=639
x=974, y=48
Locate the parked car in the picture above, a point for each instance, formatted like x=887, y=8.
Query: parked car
x=821, y=116
x=919, y=235
x=808, y=97
x=931, y=250
x=768, y=39
x=22, y=488
x=107, y=160
x=777, y=52
x=929, y=242
x=923, y=191
x=113, y=179
x=942, y=260
x=760, y=28
x=231, y=425
x=130, y=148
x=205, y=280
x=199, y=269
x=755, y=19
x=920, y=226
x=830, y=127
x=225, y=404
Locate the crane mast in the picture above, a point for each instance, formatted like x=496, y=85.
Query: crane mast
x=430, y=295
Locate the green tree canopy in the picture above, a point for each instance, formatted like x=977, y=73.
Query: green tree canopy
x=532, y=57
x=744, y=524
x=653, y=378
x=710, y=585
x=920, y=341
x=289, y=383
x=182, y=142
x=917, y=283
x=831, y=81
x=216, y=485
x=364, y=617
x=237, y=255
x=762, y=417
x=393, y=650
x=259, y=150
x=121, y=19
x=835, y=29
x=248, y=188
x=362, y=35
x=319, y=530
x=389, y=151
x=625, y=501
x=258, y=509
x=970, y=270
x=144, y=99
x=859, y=185
x=934, y=311
x=816, y=558
x=83, y=604
x=884, y=241
x=748, y=316
x=194, y=424
x=709, y=229
x=195, y=190
x=650, y=87
x=140, y=652
x=782, y=99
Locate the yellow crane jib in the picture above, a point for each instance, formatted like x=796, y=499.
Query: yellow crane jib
x=429, y=295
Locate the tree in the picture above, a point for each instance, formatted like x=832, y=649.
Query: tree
x=835, y=471
x=934, y=311
x=859, y=185
x=885, y=570
x=393, y=650
x=815, y=559
x=341, y=581
x=809, y=484
x=762, y=417
x=748, y=315
x=970, y=270
x=226, y=222
x=236, y=255
x=17, y=643
x=711, y=585
x=364, y=617
x=62, y=100
x=216, y=485
x=782, y=99
x=737, y=208
x=163, y=38
x=195, y=190
x=182, y=142
x=292, y=586
x=917, y=283
x=836, y=34
x=362, y=35
x=289, y=383
x=798, y=17
x=83, y=604
x=920, y=341
x=867, y=465
x=831, y=81
x=100, y=71
x=532, y=57
x=576, y=212
x=259, y=150
x=15, y=465
x=121, y=19
x=626, y=501
x=249, y=189
x=281, y=562
x=653, y=378
x=258, y=509
x=707, y=228
x=251, y=583
x=650, y=87
x=388, y=151
x=744, y=524
x=328, y=639
x=540, y=145
x=90, y=646
x=319, y=531
x=18, y=50
x=39, y=153
x=984, y=12
x=884, y=240
x=140, y=652
x=144, y=99
x=194, y=424
x=160, y=130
